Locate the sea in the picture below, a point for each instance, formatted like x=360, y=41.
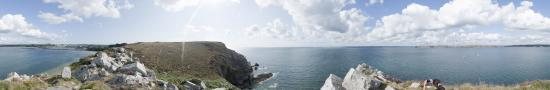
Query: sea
x=31, y=60
x=306, y=68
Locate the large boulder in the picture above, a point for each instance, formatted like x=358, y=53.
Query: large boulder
x=105, y=61
x=363, y=77
x=90, y=73
x=194, y=85
x=131, y=80
x=333, y=82
x=66, y=73
x=133, y=68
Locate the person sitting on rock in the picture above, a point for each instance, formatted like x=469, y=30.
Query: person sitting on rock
x=432, y=82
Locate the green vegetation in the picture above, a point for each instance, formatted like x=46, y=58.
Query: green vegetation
x=95, y=85
x=178, y=79
x=175, y=66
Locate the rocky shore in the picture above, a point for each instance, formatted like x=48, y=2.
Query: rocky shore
x=364, y=77
x=131, y=67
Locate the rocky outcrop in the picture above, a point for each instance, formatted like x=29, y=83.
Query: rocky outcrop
x=13, y=76
x=120, y=71
x=333, y=82
x=361, y=78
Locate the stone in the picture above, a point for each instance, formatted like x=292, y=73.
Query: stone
x=90, y=73
x=133, y=68
x=219, y=89
x=13, y=76
x=362, y=78
x=414, y=85
x=262, y=77
x=103, y=60
x=132, y=80
x=194, y=85
x=389, y=88
x=66, y=73
x=333, y=82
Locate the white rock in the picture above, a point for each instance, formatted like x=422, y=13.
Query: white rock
x=89, y=73
x=66, y=73
x=131, y=80
x=219, y=89
x=103, y=60
x=192, y=86
x=414, y=85
x=356, y=81
x=134, y=67
x=389, y=88
x=13, y=76
x=333, y=82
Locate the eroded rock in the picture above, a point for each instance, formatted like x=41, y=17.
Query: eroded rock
x=333, y=82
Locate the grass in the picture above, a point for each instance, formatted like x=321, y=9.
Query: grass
x=95, y=85
x=178, y=79
x=175, y=65
x=23, y=85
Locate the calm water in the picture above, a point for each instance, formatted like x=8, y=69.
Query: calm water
x=35, y=60
x=307, y=68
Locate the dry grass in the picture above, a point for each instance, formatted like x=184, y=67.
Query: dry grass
x=167, y=60
x=23, y=85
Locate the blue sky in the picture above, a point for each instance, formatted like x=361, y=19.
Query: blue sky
x=277, y=22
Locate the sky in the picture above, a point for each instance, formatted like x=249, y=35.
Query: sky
x=277, y=23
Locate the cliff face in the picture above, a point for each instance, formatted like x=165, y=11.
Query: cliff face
x=211, y=62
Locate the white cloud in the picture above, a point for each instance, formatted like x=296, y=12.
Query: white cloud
x=415, y=21
x=16, y=24
x=178, y=5
x=77, y=9
x=372, y=2
x=325, y=15
x=53, y=19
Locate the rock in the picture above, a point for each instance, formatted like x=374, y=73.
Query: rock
x=171, y=87
x=90, y=73
x=414, y=85
x=262, y=77
x=363, y=77
x=59, y=88
x=133, y=68
x=189, y=85
x=130, y=80
x=121, y=50
x=66, y=73
x=103, y=60
x=219, y=89
x=166, y=86
x=389, y=88
x=13, y=76
x=355, y=80
x=333, y=82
